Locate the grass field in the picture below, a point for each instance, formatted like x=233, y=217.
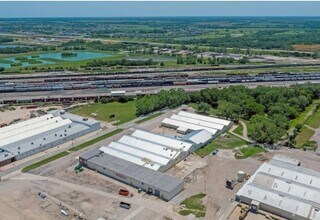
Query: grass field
x=303, y=136
x=124, y=112
x=239, y=129
x=228, y=141
x=149, y=118
x=93, y=141
x=314, y=119
x=194, y=205
x=45, y=161
x=249, y=152
x=303, y=116
x=204, y=151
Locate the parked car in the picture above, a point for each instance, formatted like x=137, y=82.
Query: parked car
x=215, y=152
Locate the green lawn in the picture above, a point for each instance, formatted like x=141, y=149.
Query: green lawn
x=124, y=112
x=194, y=205
x=314, y=119
x=226, y=141
x=239, y=129
x=303, y=136
x=44, y=161
x=93, y=141
x=249, y=152
x=149, y=118
x=206, y=150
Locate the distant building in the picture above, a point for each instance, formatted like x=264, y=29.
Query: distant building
x=283, y=188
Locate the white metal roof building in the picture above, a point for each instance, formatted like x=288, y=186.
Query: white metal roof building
x=200, y=138
x=185, y=122
x=284, y=189
x=153, y=151
x=205, y=118
x=29, y=137
x=148, y=180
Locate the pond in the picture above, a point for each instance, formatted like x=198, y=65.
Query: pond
x=49, y=58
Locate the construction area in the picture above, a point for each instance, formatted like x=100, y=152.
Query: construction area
x=116, y=187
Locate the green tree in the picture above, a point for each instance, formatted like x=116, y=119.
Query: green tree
x=264, y=130
x=203, y=107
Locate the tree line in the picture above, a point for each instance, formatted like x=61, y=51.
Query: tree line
x=268, y=110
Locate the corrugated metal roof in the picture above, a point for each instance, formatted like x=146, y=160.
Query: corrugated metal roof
x=285, y=159
x=30, y=127
x=11, y=128
x=198, y=122
x=205, y=118
x=285, y=186
x=191, y=127
x=163, y=140
x=34, y=130
x=198, y=137
x=148, y=146
x=153, y=178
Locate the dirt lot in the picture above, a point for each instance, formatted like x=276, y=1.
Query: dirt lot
x=22, y=113
x=21, y=201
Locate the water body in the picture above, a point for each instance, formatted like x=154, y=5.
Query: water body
x=56, y=57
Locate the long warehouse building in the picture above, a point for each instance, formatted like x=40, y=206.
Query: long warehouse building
x=154, y=151
x=186, y=122
x=32, y=136
x=283, y=188
x=148, y=180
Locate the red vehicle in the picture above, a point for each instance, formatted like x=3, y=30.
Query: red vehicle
x=123, y=192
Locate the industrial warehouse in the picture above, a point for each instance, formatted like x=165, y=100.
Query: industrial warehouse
x=186, y=122
x=148, y=180
x=283, y=188
x=154, y=154
x=32, y=136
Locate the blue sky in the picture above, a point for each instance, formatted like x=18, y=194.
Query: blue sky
x=141, y=9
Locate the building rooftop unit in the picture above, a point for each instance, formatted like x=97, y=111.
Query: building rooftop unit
x=131, y=170
x=205, y=118
x=284, y=186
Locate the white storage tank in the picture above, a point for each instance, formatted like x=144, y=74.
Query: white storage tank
x=241, y=176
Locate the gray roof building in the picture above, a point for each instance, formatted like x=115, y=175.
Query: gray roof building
x=153, y=182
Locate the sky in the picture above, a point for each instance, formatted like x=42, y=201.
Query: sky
x=142, y=9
